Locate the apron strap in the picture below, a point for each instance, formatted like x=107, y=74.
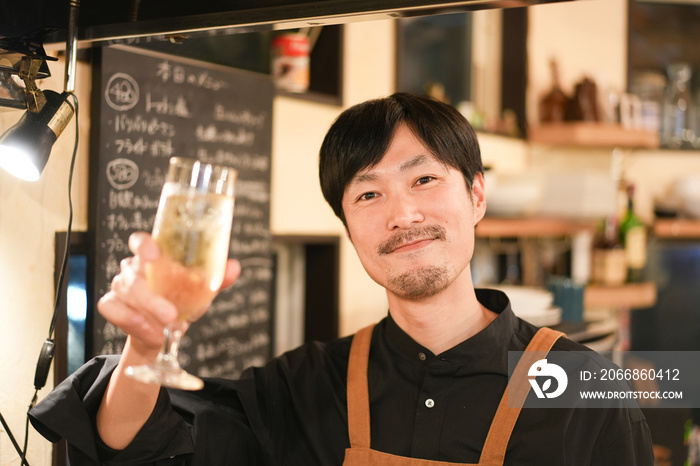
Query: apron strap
x=504, y=420
x=494, y=451
x=358, y=389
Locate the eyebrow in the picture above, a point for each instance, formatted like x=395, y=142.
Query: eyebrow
x=405, y=166
x=414, y=162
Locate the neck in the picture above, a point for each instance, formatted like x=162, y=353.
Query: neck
x=444, y=320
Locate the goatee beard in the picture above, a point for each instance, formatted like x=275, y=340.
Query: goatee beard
x=421, y=283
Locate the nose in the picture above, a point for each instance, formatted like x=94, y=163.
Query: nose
x=403, y=212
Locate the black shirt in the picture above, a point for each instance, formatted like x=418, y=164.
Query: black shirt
x=292, y=411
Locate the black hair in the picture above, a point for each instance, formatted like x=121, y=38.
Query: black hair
x=360, y=136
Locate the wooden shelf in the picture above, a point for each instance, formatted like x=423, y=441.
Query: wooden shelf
x=677, y=228
x=500, y=227
x=510, y=227
x=628, y=296
x=592, y=134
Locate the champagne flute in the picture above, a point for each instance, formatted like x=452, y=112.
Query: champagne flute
x=193, y=229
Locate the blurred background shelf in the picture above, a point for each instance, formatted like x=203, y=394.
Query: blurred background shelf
x=627, y=296
x=677, y=228
x=504, y=227
x=592, y=134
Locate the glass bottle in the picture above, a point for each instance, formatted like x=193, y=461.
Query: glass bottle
x=650, y=86
x=633, y=236
x=608, y=257
x=678, y=122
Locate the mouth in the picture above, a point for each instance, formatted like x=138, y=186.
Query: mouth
x=412, y=245
x=411, y=240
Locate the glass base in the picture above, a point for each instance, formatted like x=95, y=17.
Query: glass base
x=168, y=375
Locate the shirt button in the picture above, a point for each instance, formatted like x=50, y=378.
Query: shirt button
x=429, y=403
x=422, y=356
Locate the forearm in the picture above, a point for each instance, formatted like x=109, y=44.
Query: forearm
x=127, y=404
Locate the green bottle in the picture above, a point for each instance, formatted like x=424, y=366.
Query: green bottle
x=633, y=236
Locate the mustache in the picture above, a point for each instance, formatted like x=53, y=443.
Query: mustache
x=406, y=236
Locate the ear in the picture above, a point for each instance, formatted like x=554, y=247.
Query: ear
x=478, y=197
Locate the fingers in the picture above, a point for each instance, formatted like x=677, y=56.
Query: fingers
x=147, y=330
x=199, y=313
x=130, y=304
x=133, y=307
x=131, y=288
x=231, y=274
x=233, y=271
x=141, y=244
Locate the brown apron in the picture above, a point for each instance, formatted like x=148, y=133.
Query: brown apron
x=493, y=453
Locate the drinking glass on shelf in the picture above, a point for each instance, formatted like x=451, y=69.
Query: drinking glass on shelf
x=193, y=229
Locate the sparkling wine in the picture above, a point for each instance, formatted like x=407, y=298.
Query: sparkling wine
x=193, y=232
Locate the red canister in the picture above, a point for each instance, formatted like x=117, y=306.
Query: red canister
x=290, y=62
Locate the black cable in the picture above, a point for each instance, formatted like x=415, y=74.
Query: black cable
x=39, y=378
x=23, y=456
x=12, y=439
x=46, y=355
x=64, y=263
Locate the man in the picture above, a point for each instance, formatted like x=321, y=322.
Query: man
x=423, y=387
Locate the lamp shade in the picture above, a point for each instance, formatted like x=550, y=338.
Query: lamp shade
x=25, y=148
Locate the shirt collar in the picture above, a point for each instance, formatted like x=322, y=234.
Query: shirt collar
x=485, y=351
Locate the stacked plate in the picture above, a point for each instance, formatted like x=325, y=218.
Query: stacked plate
x=532, y=304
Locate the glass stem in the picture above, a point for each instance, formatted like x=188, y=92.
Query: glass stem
x=171, y=346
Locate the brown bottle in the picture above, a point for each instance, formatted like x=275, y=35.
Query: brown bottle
x=553, y=105
x=584, y=105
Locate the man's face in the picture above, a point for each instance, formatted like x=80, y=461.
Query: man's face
x=411, y=219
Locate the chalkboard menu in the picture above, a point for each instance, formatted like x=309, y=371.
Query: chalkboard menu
x=147, y=108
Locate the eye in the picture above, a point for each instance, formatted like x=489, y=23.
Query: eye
x=424, y=180
x=367, y=196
